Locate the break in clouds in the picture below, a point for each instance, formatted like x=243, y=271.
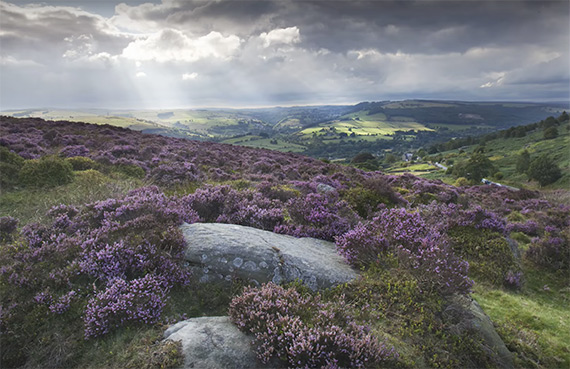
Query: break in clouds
x=179, y=53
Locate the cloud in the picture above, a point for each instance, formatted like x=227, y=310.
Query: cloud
x=140, y=74
x=11, y=61
x=173, y=45
x=348, y=51
x=189, y=76
x=286, y=36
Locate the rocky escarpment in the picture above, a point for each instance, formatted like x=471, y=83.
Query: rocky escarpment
x=218, y=252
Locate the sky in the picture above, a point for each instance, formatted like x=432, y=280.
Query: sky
x=232, y=53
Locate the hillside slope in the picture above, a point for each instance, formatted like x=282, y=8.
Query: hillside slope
x=92, y=269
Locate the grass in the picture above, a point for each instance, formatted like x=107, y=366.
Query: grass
x=30, y=205
x=535, y=322
x=265, y=143
x=504, y=154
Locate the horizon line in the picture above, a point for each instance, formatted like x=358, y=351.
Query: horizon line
x=253, y=107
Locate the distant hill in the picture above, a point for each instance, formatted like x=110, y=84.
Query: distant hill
x=504, y=147
x=329, y=131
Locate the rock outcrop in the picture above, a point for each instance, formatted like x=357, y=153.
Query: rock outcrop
x=465, y=315
x=213, y=343
x=218, y=251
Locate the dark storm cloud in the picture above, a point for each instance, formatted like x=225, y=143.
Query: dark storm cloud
x=409, y=26
x=229, y=52
x=44, y=33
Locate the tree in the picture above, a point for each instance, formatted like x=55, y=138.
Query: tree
x=549, y=122
x=390, y=159
x=523, y=162
x=544, y=170
x=477, y=167
x=563, y=117
x=362, y=157
x=550, y=133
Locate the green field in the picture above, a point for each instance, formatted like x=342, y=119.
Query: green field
x=362, y=124
x=265, y=143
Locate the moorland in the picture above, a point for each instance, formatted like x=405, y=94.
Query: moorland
x=91, y=260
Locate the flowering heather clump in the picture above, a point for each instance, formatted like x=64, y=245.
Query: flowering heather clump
x=251, y=209
x=139, y=300
x=419, y=248
x=530, y=228
x=550, y=252
x=176, y=173
x=318, y=215
x=75, y=150
x=361, y=245
x=304, y=331
x=482, y=219
x=513, y=280
x=127, y=251
x=123, y=150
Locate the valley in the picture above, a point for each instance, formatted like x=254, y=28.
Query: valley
x=333, y=132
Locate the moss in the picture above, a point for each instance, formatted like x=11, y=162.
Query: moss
x=130, y=170
x=49, y=171
x=363, y=200
x=80, y=163
x=516, y=217
x=521, y=238
x=488, y=253
x=10, y=165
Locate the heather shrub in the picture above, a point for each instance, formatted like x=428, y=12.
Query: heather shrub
x=49, y=171
x=175, y=173
x=418, y=246
x=138, y=300
x=530, y=227
x=304, y=331
x=8, y=226
x=123, y=151
x=250, y=208
x=550, y=252
x=74, y=150
x=79, y=163
x=209, y=201
x=109, y=263
x=318, y=215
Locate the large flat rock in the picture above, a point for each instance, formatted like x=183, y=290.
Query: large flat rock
x=219, y=251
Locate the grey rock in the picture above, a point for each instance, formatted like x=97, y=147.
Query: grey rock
x=465, y=315
x=261, y=256
x=325, y=188
x=514, y=246
x=213, y=343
